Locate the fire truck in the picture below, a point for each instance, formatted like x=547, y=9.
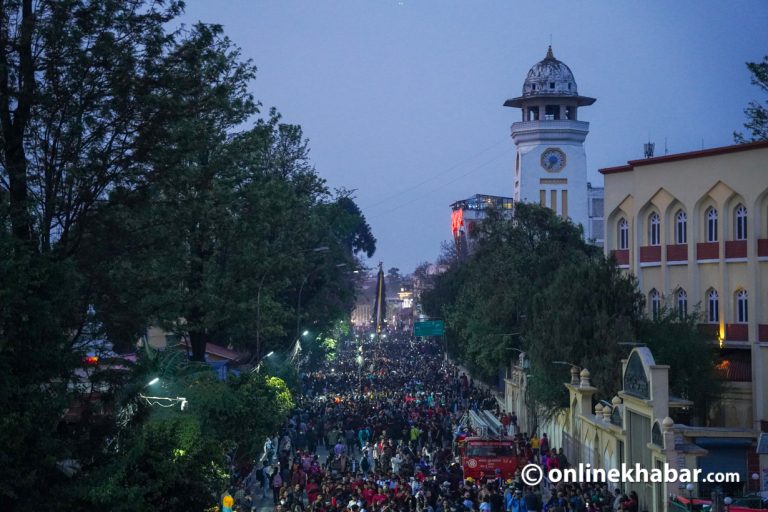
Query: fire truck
x=486, y=447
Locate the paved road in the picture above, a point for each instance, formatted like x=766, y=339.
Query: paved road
x=267, y=504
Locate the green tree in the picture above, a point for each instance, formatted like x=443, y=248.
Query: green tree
x=74, y=77
x=757, y=114
x=532, y=284
x=690, y=353
x=589, y=308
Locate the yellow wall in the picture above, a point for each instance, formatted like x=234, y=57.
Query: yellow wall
x=694, y=183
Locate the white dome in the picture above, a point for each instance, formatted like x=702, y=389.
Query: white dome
x=550, y=77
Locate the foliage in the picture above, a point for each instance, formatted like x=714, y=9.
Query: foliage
x=690, y=353
x=757, y=114
x=167, y=464
x=176, y=460
x=138, y=188
x=581, y=317
x=534, y=285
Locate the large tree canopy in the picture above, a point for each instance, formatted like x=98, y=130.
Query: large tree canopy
x=141, y=185
x=534, y=285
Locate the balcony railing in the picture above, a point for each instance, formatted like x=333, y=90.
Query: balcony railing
x=677, y=252
x=707, y=250
x=621, y=256
x=650, y=254
x=736, y=249
x=556, y=124
x=762, y=247
x=736, y=332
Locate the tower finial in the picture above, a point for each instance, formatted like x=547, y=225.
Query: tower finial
x=549, y=53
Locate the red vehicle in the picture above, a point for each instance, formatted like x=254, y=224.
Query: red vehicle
x=480, y=455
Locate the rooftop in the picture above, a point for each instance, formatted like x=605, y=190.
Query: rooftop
x=723, y=150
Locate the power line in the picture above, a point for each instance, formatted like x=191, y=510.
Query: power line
x=443, y=185
x=435, y=176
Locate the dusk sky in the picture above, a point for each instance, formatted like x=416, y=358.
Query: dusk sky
x=402, y=99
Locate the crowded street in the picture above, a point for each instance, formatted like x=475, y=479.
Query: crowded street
x=380, y=429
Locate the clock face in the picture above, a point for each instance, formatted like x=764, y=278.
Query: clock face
x=553, y=160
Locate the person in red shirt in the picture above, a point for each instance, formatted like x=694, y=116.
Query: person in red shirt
x=368, y=492
x=379, y=497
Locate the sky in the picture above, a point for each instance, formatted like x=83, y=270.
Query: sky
x=401, y=100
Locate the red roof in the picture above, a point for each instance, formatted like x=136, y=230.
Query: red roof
x=219, y=351
x=735, y=148
x=736, y=366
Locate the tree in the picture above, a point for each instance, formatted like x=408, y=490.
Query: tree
x=136, y=188
x=757, y=114
x=75, y=77
x=598, y=307
x=532, y=284
x=690, y=353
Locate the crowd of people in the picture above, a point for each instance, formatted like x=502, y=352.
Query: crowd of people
x=376, y=429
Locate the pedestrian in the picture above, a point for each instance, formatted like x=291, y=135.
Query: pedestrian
x=276, y=481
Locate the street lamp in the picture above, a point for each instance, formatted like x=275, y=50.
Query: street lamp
x=153, y=381
x=727, y=502
x=566, y=363
x=574, y=371
x=525, y=362
x=258, y=365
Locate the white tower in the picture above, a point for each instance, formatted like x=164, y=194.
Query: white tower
x=551, y=164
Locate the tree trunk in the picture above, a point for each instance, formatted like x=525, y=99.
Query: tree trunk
x=14, y=124
x=198, y=341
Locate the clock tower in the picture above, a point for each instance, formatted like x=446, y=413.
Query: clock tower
x=550, y=161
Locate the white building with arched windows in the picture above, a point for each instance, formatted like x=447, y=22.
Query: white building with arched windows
x=693, y=228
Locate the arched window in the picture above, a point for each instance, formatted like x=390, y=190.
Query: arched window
x=682, y=304
x=741, y=307
x=713, y=307
x=741, y=222
x=654, y=298
x=711, y=225
x=654, y=228
x=623, y=234
x=681, y=227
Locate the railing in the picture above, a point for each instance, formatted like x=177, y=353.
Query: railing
x=707, y=250
x=736, y=249
x=677, y=252
x=650, y=254
x=557, y=124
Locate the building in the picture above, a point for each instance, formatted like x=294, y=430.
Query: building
x=467, y=213
x=637, y=425
x=550, y=161
x=693, y=229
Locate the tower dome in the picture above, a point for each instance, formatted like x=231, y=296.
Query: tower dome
x=547, y=80
x=550, y=77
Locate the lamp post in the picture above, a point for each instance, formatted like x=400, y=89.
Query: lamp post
x=257, y=368
x=727, y=502
x=690, y=487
